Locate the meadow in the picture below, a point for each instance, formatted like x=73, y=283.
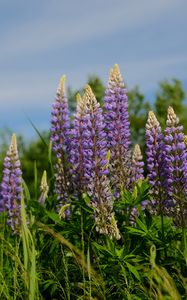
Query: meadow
x=109, y=220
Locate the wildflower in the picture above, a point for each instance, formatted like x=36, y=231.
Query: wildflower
x=118, y=129
x=176, y=158
x=78, y=142
x=60, y=121
x=11, y=187
x=155, y=161
x=60, y=125
x=95, y=166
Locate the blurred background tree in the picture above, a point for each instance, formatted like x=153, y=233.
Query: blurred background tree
x=35, y=160
x=171, y=93
x=138, y=111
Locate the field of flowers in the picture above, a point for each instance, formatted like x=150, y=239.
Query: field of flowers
x=109, y=222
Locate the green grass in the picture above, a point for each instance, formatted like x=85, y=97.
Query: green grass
x=53, y=258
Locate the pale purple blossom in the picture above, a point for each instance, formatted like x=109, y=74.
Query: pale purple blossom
x=118, y=130
x=11, y=186
x=60, y=126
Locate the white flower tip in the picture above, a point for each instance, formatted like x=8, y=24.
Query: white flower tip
x=80, y=103
x=62, y=80
x=88, y=90
x=115, y=76
x=89, y=97
x=116, y=69
x=172, y=119
x=137, y=155
x=152, y=120
x=14, y=142
x=61, y=86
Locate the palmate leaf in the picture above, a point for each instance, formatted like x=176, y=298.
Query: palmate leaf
x=133, y=270
x=142, y=225
x=139, y=194
x=121, y=260
x=136, y=231
x=54, y=217
x=102, y=249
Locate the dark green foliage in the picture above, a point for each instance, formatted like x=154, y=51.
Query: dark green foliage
x=171, y=93
x=73, y=261
x=35, y=161
x=138, y=111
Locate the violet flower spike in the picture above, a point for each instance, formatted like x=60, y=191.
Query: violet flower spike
x=60, y=126
x=118, y=129
x=96, y=166
x=176, y=158
x=11, y=187
x=155, y=162
x=78, y=142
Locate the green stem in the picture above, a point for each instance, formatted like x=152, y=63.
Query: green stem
x=82, y=241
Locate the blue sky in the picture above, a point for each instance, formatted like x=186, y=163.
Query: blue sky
x=43, y=39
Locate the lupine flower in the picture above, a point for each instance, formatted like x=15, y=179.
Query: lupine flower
x=135, y=177
x=118, y=129
x=11, y=187
x=95, y=165
x=44, y=188
x=155, y=160
x=78, y=141
x=137, y=165
x=176, y=158
x=59, y=136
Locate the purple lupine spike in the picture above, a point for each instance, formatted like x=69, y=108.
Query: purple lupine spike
x=118, y=129
x=176, y=158
x=79, y=138
x=60, y=120
x=11, y=187
x=95, y=166
x=155, y=162
x=60, y=126
x=137, y=165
